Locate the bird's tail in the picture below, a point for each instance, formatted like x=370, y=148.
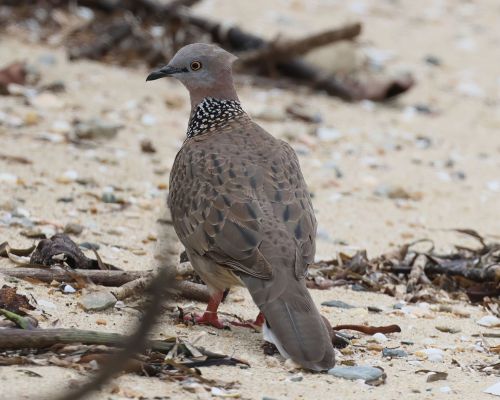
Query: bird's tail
x=293, y=323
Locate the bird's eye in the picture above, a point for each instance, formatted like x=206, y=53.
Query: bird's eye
x=195, y=65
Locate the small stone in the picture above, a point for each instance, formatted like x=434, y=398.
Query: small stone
x=493, y=389
x=97, y=301
x=338, y=304
x=101, y=322
x=46, y=101
x=380, y=337
x=295, y=378
x=68, y=176
x=365, y=373
x=61, y=126
x=394, y=192
x=148, y=120
x=226, y=393
x=394, y=353
x=432, y=60
x=147, y=146
x=31, y=118
x=493, y=186
x=108, y=197
x=96, y=129
x=68, y=289
x=433, y=355
x=89, y=245
x=304, y=113
x=6, y=177
x=489, y=321
x=447, y=329
x=72, y=228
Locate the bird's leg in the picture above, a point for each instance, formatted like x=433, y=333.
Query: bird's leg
x=210, y=316
x=259, y=321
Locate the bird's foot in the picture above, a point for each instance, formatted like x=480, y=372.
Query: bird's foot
x=256, y=325
x=208, y=318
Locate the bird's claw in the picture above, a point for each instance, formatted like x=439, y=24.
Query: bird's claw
x=208, y=318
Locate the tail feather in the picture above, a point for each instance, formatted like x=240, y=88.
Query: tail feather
x=295, y=325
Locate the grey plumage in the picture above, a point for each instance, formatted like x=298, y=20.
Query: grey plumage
x=241, y=208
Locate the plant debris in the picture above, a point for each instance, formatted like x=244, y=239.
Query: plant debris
x=12, y=301
x=422, y=273
x=61, y=249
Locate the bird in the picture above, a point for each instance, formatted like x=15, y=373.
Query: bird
x=241, y=208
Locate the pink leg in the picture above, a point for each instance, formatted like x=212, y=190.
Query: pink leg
x=259, y=321
x=210, y=317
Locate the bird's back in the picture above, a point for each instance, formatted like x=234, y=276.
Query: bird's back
x=238, y=197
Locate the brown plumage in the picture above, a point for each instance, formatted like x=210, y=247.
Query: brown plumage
x=241, y=208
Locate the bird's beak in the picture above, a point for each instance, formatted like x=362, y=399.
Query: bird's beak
x=167, y=70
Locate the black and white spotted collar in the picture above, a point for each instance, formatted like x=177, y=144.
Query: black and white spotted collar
x=211, y=114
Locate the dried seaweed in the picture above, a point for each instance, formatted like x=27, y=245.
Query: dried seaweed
x=423, y=273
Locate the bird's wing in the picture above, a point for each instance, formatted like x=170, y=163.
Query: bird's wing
x=230, y=207
x=292, y=205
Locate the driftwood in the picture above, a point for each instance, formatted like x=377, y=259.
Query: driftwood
x=280, y=56
x=282, y=49
x=109, y=38
x=14, y=339
x=466, y=269
x=186, y=289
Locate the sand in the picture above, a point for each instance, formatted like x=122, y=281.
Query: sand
x=380, y=145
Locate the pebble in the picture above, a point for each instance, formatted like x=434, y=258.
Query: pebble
x=97, y=301
x=432, y=355
x=68, y=176
x=304, y=113
x=493, y=389
x=227, y=393
x=470, y=89
x=108, y=197
x=96, y=128
x=394, y=353
x=365, y=373
x=61, y=126
x=6, y=177
x=489, y=321
x=68, y=289
x=89, y=245
x=338, y=304
x=394, y=192
x=46, y=101
x=148, y=120
x=494, y=186
x=73, y=228
x=380, y=337
x=295, y=378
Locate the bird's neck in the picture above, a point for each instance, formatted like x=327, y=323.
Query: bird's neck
x=212, y=113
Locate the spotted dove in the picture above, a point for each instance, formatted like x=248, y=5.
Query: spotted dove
x=241, y=208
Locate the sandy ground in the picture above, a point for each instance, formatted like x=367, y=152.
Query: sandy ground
x=449, y=161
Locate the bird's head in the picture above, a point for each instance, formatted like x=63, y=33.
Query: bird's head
x=204, y=69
